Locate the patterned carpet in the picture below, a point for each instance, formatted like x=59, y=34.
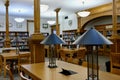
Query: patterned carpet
x=16, y=77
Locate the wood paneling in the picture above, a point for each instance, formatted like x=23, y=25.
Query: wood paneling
x=103, y=10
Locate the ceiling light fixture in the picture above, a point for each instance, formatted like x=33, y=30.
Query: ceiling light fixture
x=51, y=22
x=83, y=13
x=19, y=19
x=43, y=7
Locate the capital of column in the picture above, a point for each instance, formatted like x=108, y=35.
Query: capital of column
x=57, y=10
x=77, y=14
x=7, y=3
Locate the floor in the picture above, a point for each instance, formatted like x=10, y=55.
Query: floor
x=102, y=60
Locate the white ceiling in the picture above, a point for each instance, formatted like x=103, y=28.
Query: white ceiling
x=67, y=7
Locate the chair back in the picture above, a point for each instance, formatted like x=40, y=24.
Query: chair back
x=62, y=55
x=85, y=64
x=12, y=51
x=1, y=64
x=115, y=63
x=9, y=72
x=24, y=58
x=81, y=54
x=23, y=77
x=8, y=50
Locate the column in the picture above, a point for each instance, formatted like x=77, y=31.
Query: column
x=57, y=47
x=7, y=39
x=79, y=25
x=57, y=21
x=115, y=37
x=37, y=49
x=114, y=18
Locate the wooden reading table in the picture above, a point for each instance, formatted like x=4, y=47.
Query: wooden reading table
x=40, y=71
x=8, y=56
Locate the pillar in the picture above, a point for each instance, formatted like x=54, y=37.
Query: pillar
x=7, y=39
x=57, y=21
x=57, y=30
x=36, y=49
x=115, y=37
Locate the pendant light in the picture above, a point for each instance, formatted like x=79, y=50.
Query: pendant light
x=83, y=13
x=19, y=19
x=51, y=21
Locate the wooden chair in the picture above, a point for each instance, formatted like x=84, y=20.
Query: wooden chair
x=9, y=72
x=69, y=55
x=1, y=64
x=9, y=51
x=62, y=55
x=115, y=63
x=23, y=59
x=12, y=51
x=81, y=54
x=75, y=61
x=23, y=77
x=85, y=64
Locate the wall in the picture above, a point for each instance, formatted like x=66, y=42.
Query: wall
x=102, y=10
x=44, y=30
x=14, y=26
x=65, y=25
x=100, y=21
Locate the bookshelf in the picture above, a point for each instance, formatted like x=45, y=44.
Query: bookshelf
x=22, y=39
x=69, y=37
x=107, y=31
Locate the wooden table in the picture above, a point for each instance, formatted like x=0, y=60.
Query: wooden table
x=40, y=71
x=7, y=50
x=7, y=56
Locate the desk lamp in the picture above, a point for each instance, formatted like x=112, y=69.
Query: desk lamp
x=52, y=40
x=92, y=39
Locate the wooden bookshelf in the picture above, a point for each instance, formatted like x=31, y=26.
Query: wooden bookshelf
x=23, y=45
x=69, y=37
x=107, y=31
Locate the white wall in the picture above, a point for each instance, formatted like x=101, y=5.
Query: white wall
x=13, y=26
x=44, y=30
x=31, y=28
x=101, y=21
x=64, y=23
x=23, y=26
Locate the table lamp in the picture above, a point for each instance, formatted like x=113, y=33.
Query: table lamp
x=52, y=40
x=92, y=39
